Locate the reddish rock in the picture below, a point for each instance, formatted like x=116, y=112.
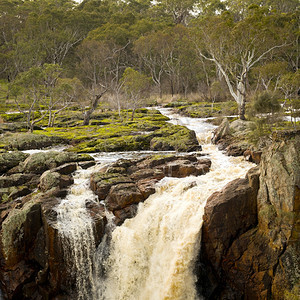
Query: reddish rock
x=227, y=215
x=122, y=195
x=126, y=213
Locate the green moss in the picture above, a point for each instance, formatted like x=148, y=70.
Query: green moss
x=11, y=228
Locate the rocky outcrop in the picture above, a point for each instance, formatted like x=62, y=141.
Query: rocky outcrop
x=31, y=259
x=248, y=259
x=232, y=139
x=126, y=183
x=22, y=171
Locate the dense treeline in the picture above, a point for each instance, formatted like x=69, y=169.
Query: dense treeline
x=57, y=52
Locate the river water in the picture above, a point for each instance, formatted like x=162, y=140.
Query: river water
x=151, y=256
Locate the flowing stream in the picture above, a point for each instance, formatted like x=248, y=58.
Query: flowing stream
x=151, y=256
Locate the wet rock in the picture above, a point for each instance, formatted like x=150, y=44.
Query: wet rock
x=122, y=195
x=86, y=164
x=253, y=156
x=183, y=168
x=235, y=150
x=97, y=212
x=10, y=160
x=51, y=179
x=126, y=213
x=66, y=169
x=102, y=182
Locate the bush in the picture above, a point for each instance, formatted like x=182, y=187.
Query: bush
x=266, y=102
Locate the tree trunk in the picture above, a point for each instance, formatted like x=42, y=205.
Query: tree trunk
x=88, y=113
x=50, y=118
x=241, y=97
x=132, y=115
x=87, y=117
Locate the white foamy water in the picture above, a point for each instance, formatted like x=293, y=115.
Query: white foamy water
x=75, y=227
x=152, y=256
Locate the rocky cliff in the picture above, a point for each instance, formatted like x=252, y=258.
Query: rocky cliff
x=251, y=247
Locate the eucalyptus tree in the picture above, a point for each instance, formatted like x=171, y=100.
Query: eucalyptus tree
x=29, y=93
x=136, y=87
x=180, y=10
x=235, y=47
x=154, y=51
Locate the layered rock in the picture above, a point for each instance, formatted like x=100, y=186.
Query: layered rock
x=126, y=183
x=245, y=260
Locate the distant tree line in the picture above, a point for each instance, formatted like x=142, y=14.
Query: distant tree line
x=56, y=52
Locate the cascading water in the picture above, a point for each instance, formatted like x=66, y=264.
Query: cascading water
x=152, y=256
x=75, y=226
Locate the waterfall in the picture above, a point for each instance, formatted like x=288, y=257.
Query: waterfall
x=152, y=255
x=75, y=227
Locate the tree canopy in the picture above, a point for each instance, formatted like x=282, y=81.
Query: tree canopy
x=184, y=46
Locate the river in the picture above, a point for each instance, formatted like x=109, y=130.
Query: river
x=151, y=256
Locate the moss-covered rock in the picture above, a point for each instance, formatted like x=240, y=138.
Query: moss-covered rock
x=27, y=141
x=174, y=137
x=40, y=162
x=10, y=160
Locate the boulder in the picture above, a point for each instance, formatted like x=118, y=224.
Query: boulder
x=240, y=126
x=40, y=162
x=10, y=160
x=86, y=164
x=122, y=195
x=102, y=182
x=221, y=131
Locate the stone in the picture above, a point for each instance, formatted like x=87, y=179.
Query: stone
x=220, y=132
x=227, y=215
x=122, y=195
x=51, y=179
x=10, y=160
x=256, y=261
x=239, y=125
x=101, y=183
x=125, y=213
x=40, y=162
x=66, y=169
x=86, y=164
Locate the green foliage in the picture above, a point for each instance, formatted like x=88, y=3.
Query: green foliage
x=266, y=102
x=260, y=129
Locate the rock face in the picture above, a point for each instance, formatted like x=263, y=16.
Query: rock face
x=126, y=183
x=31, y=259
x=249, y=255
